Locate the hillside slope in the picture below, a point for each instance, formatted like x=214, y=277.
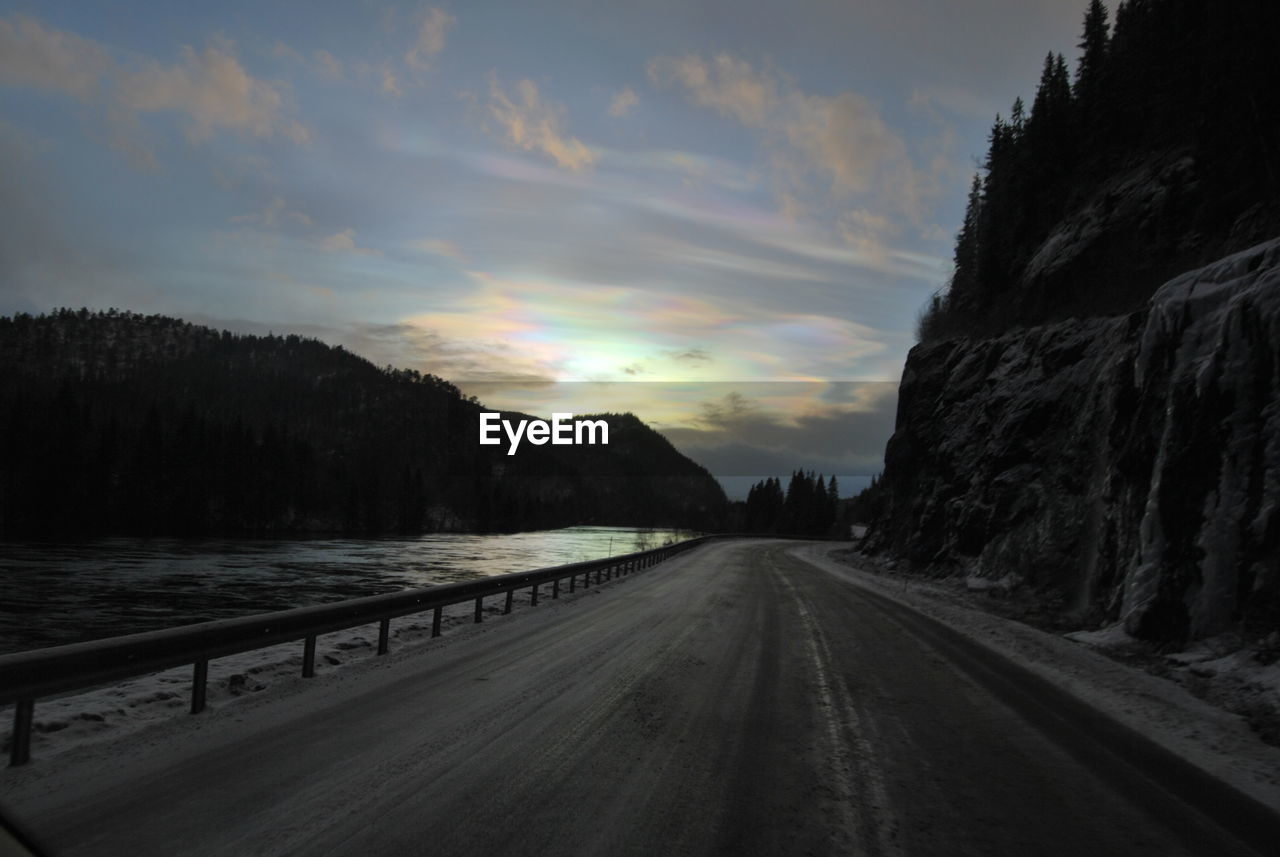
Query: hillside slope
x=116, y=423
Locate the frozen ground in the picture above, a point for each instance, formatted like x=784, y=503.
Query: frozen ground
x=71, y=722
x=1197, y=703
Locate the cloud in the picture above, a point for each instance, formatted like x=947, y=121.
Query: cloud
x=533, y=123
x=757, y=429
x=732, y=411
x=867, y=233
x=390, y=85
x=345, y=242
x=430, y=38
x=840, y=139
x=592, y=330
x=480, y=365
x=844, y=136
x=722, y=242
x=438, y=247
x=726, y=85
x=668, y=361
x=328, y=64
x=214, y=91
x=280, y=50
x=623, y=102
x=690, y=356
x=272, y=215
x=34, y=56
x=210, y=88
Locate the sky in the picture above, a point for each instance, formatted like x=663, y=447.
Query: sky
x=721, y=216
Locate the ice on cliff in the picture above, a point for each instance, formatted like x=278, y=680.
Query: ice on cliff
x=1127, y=468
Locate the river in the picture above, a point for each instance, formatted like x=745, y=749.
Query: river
x=54, y=593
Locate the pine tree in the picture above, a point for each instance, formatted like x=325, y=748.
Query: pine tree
x=964, y=278
x=1017, y=120
x=1090, y=69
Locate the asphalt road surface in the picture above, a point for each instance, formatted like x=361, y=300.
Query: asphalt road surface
x=734, y=700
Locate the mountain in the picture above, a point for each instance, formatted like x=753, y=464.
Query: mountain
x=118, y=423
x=1091, y=414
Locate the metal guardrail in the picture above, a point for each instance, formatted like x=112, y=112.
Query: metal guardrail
x=28, y=676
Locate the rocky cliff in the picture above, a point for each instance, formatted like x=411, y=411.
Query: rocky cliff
x=1123, y=468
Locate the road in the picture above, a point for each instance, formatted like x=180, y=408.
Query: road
x=735, y=700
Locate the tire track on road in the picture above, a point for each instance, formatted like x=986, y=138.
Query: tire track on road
x=853, y=768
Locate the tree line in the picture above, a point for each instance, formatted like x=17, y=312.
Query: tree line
x=1170, y=112
x=810, y=506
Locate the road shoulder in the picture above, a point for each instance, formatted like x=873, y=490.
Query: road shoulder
x=1216, y=742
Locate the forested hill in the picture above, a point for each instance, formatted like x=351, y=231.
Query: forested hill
x=1158, y=153
x=118, y=423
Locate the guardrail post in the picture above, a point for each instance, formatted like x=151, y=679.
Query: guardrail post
x=384, y=635
x=555, y=588
x=599, y=571
x=199, y=683
x=573, y=582
x=534, y=597
x=435, y=621
x=510, y=596
x=309, y=657
x=20, y=743
x=479, y=608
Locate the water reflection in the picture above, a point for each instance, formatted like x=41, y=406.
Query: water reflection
x=63, y=593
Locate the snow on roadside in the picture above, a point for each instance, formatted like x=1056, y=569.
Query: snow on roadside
x=74, y=721
x=1217, y=741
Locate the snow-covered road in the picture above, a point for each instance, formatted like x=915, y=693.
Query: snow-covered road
x=735, y=700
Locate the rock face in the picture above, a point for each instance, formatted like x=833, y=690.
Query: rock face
x=1125, y=468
